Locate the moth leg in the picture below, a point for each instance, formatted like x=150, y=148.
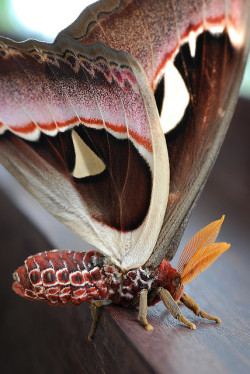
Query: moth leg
x=173, y=308
x=94, y=321
x=143, y=309
x=191, y=304
x=94, y=305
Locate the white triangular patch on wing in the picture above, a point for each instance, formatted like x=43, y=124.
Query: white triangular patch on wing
x=175, y=100
x=86, y=161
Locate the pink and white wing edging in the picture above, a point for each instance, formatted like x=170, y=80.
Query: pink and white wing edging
x=84, y=118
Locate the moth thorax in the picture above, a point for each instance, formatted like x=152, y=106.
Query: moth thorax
x=170, y=279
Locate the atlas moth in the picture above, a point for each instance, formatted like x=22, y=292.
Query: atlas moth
x=59, y=277
x=115, y=131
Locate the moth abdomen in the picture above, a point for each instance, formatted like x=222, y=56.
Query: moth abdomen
x=59, y=277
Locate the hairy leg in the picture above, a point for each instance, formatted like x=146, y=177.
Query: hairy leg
x=173, y=308
x=94, y=305
x=94, y=321
x=143, y=309
x=191, y=304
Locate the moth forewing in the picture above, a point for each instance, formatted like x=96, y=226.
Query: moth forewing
x=101, y=97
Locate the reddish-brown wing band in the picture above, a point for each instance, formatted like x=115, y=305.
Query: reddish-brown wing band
x=203, y=45
x=81, y=132
x=205, y=42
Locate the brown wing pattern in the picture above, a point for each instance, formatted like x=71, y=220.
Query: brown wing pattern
x=207, y=42
x=193, y=54
x=80, y=131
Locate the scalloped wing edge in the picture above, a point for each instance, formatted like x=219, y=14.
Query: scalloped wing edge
x=143, y=237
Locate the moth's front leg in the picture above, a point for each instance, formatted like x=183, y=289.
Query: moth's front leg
x=94, y=305
x=171, y=305
x=143, y=310
x=94, y=315
x=191, y=304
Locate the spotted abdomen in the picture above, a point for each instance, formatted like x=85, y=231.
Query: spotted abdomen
x=62, y=277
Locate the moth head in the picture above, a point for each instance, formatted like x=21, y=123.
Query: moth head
x=170, y=279
x=201, y=251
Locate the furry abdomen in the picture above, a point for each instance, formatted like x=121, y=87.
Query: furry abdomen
x=68, y=276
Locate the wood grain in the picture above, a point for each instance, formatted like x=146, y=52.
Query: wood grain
x=40, y=339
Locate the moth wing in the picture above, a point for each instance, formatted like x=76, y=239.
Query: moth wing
x=201, y=260
x=193, y=53
x=80, y=131
x=203, y=238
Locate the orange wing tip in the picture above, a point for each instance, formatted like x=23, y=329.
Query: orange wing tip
x=206, y=236
x=202, y=260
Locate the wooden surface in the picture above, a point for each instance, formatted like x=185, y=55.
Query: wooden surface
x=36, y=338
